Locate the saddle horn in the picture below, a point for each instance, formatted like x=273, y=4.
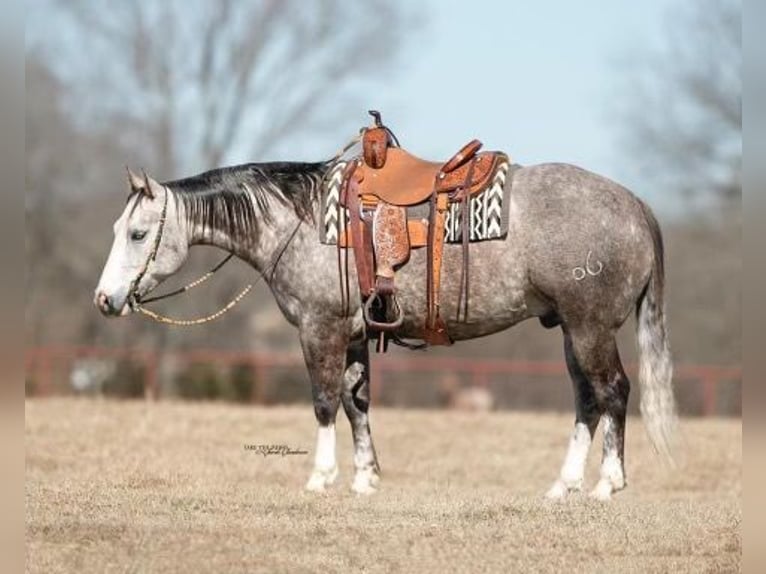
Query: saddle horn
x=376, y=115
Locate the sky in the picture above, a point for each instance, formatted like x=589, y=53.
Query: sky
x=540, y=80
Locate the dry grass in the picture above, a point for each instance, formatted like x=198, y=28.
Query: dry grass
x=169, y=487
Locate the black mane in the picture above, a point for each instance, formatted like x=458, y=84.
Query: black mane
x=233, y=198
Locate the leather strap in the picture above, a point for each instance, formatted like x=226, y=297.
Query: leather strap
x=435, y=332
x=465, y=225
x=345, y=288
x=361, y=238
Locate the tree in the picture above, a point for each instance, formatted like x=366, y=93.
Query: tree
x=684, y=117
x=210, y=81
x=176, y=87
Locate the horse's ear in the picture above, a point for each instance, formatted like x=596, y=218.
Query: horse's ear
x=151, y=186
x=134, y=181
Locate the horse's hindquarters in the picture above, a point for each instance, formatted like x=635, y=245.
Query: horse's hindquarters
x=587, y=243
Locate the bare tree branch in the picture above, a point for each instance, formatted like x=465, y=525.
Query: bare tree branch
x=174, y=86
x=210, y=80
x=684, y=119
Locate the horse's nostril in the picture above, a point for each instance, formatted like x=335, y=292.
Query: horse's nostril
x=104, y=303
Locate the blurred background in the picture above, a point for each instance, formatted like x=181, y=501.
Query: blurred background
x=648, y=94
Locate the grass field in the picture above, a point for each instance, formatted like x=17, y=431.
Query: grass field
x=170, y=487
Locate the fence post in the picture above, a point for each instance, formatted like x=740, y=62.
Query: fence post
x=46, y=373
x=151, y=377
x=259, y=387
x=480, y=379
x=709, y=395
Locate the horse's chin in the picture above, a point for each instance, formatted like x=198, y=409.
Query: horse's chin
x=124, y=312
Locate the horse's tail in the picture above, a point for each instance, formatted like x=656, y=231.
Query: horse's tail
x=655, y=364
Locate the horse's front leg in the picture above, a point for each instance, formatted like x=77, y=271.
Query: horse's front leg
x=324, y=349
x=356, y=403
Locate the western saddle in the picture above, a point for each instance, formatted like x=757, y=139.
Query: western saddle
x=378, y=187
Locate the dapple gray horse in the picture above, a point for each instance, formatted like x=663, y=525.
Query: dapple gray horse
x=581, y=253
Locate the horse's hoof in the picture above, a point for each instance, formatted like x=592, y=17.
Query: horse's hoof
x=365, y=488
x=320, y=479
x=556, y=492
x=365, y=482
x=560, y=490
x=603, y=491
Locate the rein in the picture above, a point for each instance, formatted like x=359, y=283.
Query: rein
x=135, y=302
x=191, y=285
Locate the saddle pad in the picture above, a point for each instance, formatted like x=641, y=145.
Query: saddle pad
x=489, y=209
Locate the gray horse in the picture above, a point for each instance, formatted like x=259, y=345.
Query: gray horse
x=581, y=253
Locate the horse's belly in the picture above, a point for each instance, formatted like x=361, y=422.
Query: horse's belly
x=498, y=291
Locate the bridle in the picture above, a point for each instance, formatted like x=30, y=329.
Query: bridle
x=136, y=302
x=133, y=295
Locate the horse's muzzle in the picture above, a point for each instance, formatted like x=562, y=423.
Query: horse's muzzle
x=108, y=306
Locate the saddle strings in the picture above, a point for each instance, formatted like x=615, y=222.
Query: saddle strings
x=351, y=143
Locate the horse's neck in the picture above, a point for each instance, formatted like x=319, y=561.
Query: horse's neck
x=259, y=248
x=201, y=234
x=275, y=240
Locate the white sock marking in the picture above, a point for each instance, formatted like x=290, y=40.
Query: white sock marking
x=324, y=459
x=573, y=469
x=612, y=477
x=325, y=468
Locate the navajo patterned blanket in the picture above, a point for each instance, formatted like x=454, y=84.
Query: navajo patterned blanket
x=488, y=209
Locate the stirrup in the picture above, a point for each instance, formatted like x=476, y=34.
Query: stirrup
x=378, y=325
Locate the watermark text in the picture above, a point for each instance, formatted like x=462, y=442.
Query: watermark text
x=274, y=449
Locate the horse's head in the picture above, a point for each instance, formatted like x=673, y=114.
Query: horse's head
x=150, y=244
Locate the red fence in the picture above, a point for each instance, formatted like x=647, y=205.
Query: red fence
x=41, y=363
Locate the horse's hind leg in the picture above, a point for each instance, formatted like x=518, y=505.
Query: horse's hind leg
x=587, y=414
x=601, y=391
x=596, y=351
x=613, y=394
x=356, y=402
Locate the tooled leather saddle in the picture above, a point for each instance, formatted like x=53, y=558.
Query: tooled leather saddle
x=377, y=188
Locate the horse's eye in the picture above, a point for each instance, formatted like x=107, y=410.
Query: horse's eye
x=137, y=235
